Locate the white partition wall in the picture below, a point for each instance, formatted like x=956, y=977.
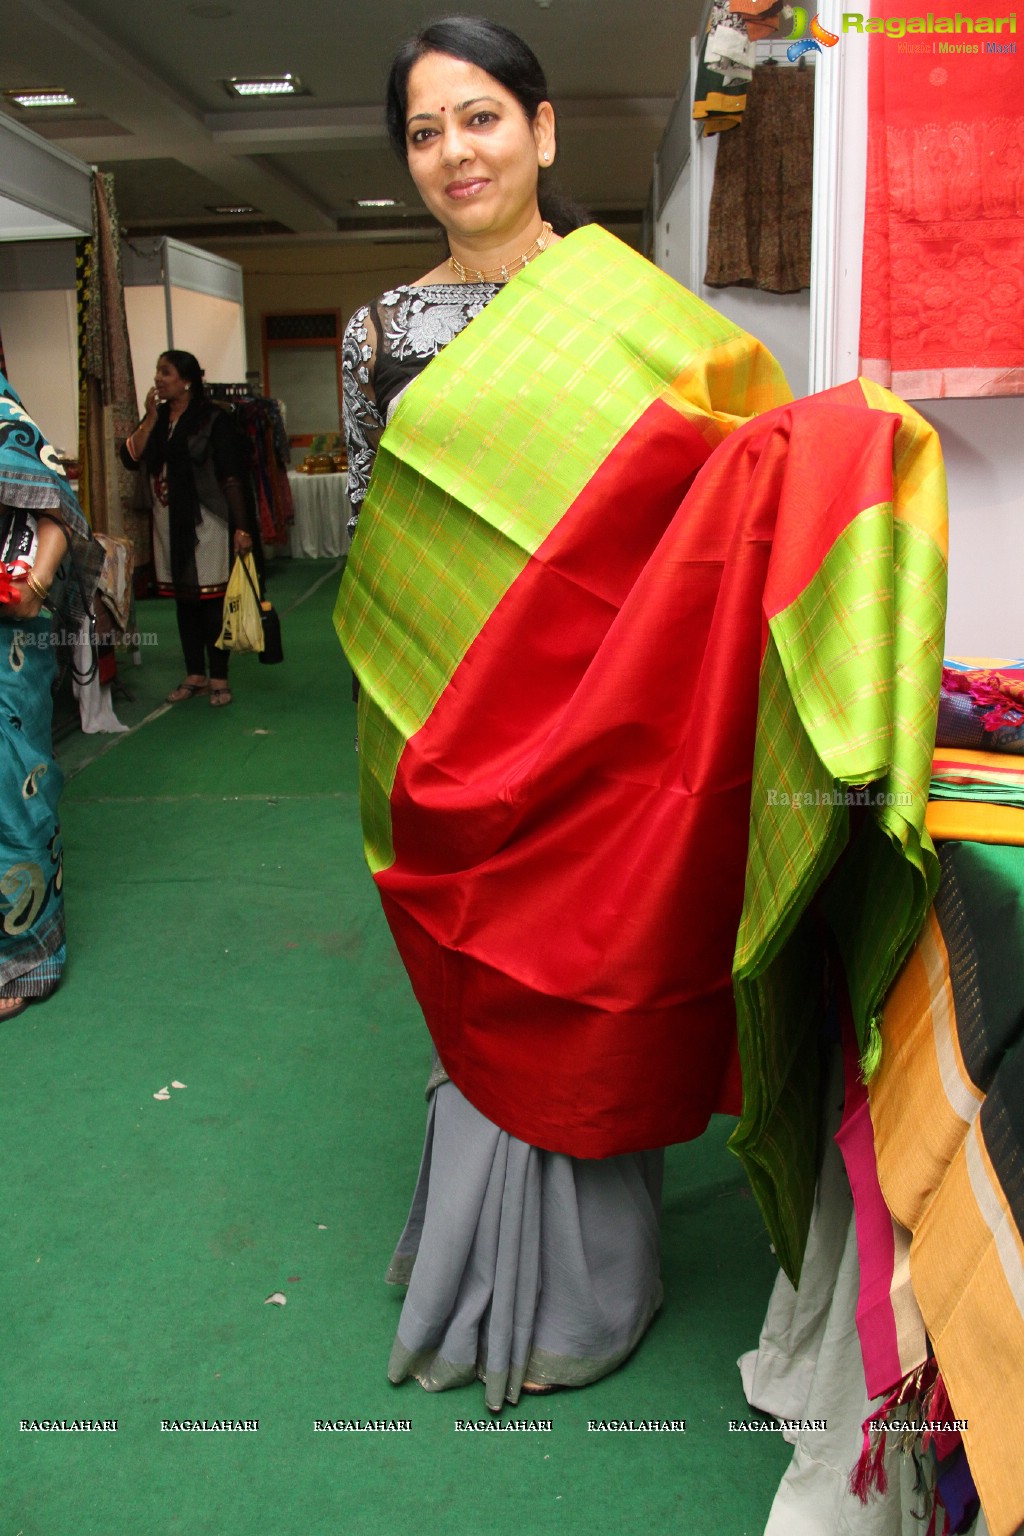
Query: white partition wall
x=684, y=177
x=175, y=296
x=39, y=328
x=146, y=314
x=179, y=296
x=45, y=197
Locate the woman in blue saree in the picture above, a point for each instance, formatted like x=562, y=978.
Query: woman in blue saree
x=49, y=564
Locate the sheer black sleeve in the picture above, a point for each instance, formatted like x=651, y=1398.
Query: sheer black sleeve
x=364, y=421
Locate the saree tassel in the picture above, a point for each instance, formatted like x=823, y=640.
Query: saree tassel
x=869, y=1475
x=871, y=1056
x=935, y=1406
x=933, y=1524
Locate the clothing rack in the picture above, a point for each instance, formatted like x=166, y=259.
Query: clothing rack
x=227, y=393
x=261, y=422
x=768, y=49
x=772, y=50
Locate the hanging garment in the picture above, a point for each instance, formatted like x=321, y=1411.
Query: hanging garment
x=260, y=422
x=107, y=401
x=942, y=302
x=759, y=223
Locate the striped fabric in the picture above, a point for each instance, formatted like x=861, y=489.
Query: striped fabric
x=849, y=690
x=893, y=1340
x=613, y=604
x=480, y=463
x=976, y=792
x=949, y=1140
x=973, y=822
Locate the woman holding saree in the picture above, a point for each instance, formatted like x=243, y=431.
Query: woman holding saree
x=535, y=820
x=55, y=574
x=529, y=1268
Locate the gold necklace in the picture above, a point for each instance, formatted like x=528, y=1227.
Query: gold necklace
x=508, y=269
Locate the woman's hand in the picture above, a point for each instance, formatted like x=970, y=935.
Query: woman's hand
x=242, y=542
x=24, y=604
x=152, y=403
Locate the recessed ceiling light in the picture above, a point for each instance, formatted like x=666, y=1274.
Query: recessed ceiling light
x=265, y=85
x=231, y=208
x=377, y=202
x=41, y=98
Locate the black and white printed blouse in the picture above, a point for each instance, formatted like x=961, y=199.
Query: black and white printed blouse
x=388, y=344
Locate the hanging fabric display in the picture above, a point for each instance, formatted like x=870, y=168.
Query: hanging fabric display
x=262, y=425
x=725, y=66
x=106, y=401
x=942, y=306
x=759, y=224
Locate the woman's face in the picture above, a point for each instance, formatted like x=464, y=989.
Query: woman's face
x=168, y=381
x=472, y=153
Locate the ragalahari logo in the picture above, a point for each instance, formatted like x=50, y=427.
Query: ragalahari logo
x=820, y=38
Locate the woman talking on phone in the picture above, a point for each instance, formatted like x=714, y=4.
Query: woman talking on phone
x=190, y=456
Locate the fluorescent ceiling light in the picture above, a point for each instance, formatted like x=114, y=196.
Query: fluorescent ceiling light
x=377, y=202
x=41, y=98
x=231, y=208
x=266, y=85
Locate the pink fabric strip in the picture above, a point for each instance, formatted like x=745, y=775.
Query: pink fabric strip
x=876, y=1247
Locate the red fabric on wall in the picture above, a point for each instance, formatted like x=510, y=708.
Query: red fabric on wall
x=942, y=304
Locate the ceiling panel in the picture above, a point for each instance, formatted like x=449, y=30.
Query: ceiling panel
x=152, y=109
x=148, y=190
x=343, y=50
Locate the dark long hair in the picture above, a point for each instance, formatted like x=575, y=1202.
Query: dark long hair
x=504, y=56
x=188, y=368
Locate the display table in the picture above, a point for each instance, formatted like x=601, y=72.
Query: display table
x=320, y=529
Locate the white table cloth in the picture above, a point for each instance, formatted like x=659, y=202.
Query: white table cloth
x=320, y=530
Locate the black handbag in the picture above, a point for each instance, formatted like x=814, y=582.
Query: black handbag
x=273, y=650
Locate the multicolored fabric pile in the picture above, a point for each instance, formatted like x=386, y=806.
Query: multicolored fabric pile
x=977, y=788
x=949, y=1140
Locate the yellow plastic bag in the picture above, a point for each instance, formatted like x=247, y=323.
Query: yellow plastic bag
x=243, y=627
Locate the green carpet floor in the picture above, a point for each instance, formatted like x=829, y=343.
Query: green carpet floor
x=224, y=934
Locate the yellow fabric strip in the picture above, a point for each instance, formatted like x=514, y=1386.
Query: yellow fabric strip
x=972, y=822
x=966, y=1257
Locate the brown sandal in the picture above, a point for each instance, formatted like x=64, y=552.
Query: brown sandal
x=186, y=691
x=219, y=697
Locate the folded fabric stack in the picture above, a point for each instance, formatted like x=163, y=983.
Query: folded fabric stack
x=944, y=1114
x=977, y=787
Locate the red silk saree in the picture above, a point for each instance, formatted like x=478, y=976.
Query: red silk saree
x=613, y=603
